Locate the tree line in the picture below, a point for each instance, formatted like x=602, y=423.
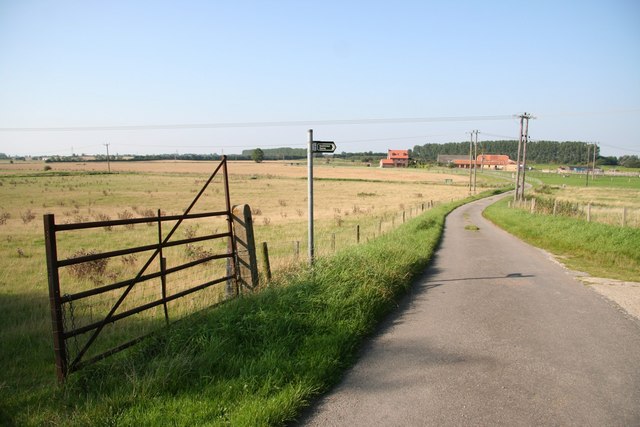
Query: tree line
x=568, y=152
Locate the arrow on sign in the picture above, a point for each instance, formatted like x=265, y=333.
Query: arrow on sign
x=323, y=147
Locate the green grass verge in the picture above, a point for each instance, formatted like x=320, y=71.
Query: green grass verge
x=257, y=360
x=601, y=250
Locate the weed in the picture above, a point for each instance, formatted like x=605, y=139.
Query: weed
x=21, y=253
x=104, y=217
x=282, y=202
x=364, y=194
x=266, y=220
x=300, y=212
x=126, y=215
x=92, y=270
x=256, y=211
x=129, y=260
x=27, y=216
x=4, y=216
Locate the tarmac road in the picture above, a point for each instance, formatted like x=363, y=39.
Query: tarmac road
x=494, y=333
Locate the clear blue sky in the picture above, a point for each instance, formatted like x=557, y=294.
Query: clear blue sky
x=575, y=65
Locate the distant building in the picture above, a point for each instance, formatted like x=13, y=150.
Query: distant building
x=396, y=159
x=488, y=161
x=449, y=158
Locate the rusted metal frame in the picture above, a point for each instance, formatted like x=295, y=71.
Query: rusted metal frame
x=84, y=329
x=232, y=240
x=120, y=252
x=59, y=345
x=117, y=349
x=108, y=353
x=97, y=291
x=163, y=267
x=109, y=316
x=115, y=222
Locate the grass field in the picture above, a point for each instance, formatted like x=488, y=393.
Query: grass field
x=601, y=250
x=374, y=199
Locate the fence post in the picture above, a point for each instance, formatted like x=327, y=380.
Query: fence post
x=265, y=261
x=59, y=346
x=333, y=242
x=555, y=206
x=296, y=248
x=247, y=263
x=533, y=205
x=403, y=216
x=358, y=233
x=624, y=216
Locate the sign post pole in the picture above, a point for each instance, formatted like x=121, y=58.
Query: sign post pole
x=310, y=191
x=314, y=147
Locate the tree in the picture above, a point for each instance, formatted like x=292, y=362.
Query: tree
x=258, y=155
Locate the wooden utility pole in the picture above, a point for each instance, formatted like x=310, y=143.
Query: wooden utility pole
x=475, y=161
x=593, y=169
x=522, y=147
x=517, y=190
x=470, y=160
x=588, y=156
x=108, y=163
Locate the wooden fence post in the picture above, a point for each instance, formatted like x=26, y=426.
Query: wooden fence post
x=624, y=216
x=296, y=248
x=265, y=261
x=533, y=205
x=555, y=206
x=358, y=233
x=247, y=263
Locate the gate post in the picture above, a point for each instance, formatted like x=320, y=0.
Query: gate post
x=59, y=347
x=245, y=245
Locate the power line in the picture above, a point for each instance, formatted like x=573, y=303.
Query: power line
x=256, y=124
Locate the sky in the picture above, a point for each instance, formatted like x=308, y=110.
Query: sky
x=225, y=76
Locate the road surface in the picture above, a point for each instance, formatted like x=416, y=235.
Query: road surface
x=494, y=333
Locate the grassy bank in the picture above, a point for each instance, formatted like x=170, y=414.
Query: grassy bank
x=601, y=250
x=253, y=361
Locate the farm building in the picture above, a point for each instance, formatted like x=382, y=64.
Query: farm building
x=449, y=158
x=488, y=161
x=396, y=159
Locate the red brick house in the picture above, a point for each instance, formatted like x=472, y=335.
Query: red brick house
x=396, y=159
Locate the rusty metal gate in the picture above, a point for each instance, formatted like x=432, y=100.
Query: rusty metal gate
x=74, y=334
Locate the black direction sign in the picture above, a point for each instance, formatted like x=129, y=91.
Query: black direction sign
x=323, y=146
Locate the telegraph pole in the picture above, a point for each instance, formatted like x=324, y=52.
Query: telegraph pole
x=588, y=158
x=517, y=190
x=475, y=161
x=108, y=164
x=470, y=159
x=593, y=170
x=522, y=147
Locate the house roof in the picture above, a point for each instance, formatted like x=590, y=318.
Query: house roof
x=386, y=162
x=398, y=154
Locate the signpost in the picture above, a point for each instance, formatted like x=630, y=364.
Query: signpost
x=314, y=147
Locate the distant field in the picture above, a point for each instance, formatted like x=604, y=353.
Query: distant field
x=580, y=180
x=345, y=197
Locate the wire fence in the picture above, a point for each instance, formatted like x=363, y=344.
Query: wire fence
x=622, y=216
x=288, y=246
